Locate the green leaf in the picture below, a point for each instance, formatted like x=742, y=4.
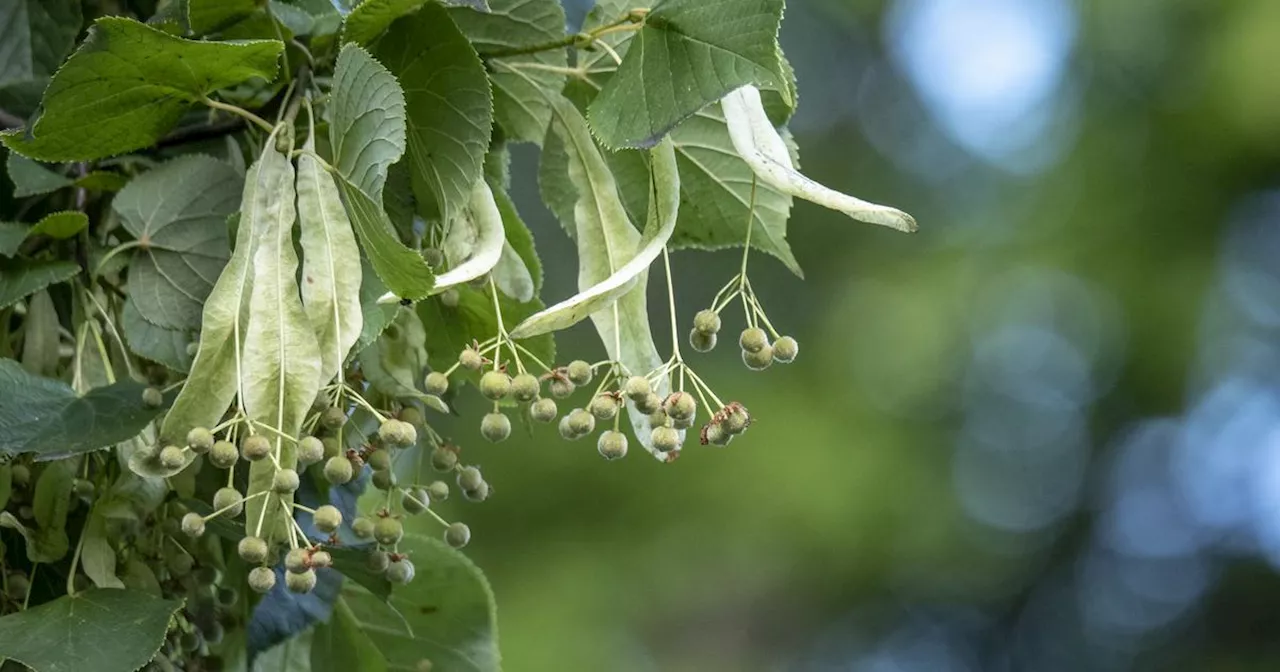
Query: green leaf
x=521, y=83
x=353, y=563
x=690, y=53
x=12, y=234
x=401, y=269
x=291, y=655
x=208, y=16
x=224, y=323
x=40, y=547
x=448, y=105
x=339, y=645
x=588, y=202
x=481, y=225
x=612, y=255
x=32, y=179
x=394, y=364
x=119, y=630
x=366, y=120
x=96, y=554
x=6, y=483
x=367, y=131
x=158, y=344
x=60, y=225
x=40, y=351
x=128, y=85
x=46, y=417
x=52, y=503
x=445, y=615
x=281, y=374
x=331, y=270
x=20, y=278
x=102, y=180
x=760, y=145
x=35, y=35
x=177, y=213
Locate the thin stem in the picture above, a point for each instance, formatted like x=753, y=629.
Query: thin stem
x=530, y=355
x=698, y=381
x=75, y=560
x=671, y=300
x=239, y=111
x=502, y=330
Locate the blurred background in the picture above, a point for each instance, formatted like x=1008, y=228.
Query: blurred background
x=1041, y=434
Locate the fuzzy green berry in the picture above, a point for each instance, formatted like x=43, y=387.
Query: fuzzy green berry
x=450, y=298
x=256, y=447
x=412, y=415
x=388, y=531
x=397, y=433
x=378, y=560
x=436, y=383
x=327, y=519
x=785, y=350
x=303, y=582
x=581, y=423
x=172, y=457
x=495, y=385
x=753, y=339
x=20, y=475
x=331, y=447
x=333, y=418
x=415, y=501
x=478, y=494
x=226, y=596
x=433, y=256
x=457, y=535
x=425, y=665
x=681, y=406
x=495, y=427
x=444, y=459
x=637, y=388
x=469, y=358
x=321, y=559
x=200, y=440
x=525, y=387
x=438, y=491
x=379, y=460
x=285, y=481
x=83, y=488
x=470, y=478
x=262, y=579
x=362, y=527
x=400, y=571
x=253, y=550
x=297, y=560
x=682, y=424
x=562, y=388
x=566, y=430
x=716, y=435
x=310, y=451
x=736, y=422
x=152, y=397
x=603, y=407
x=338, y=470
x=383, y=479
x=649, y=403
x=193, y=525
x=228, y=497
x=224, y=455
x=758, y=360
x=579, y=372
x=659, y=418
x=706, y=322
x=612, y=445
x=701, y=342
x=665, y=439
x=544, y=410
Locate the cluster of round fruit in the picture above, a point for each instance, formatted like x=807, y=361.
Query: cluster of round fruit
x=757, y=352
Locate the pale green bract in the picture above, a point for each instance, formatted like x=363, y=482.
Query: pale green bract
x=128, y=84
x=759, y=143
x=280, y=371
x=482, y=224
x=331, y=271
x=607, y=242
